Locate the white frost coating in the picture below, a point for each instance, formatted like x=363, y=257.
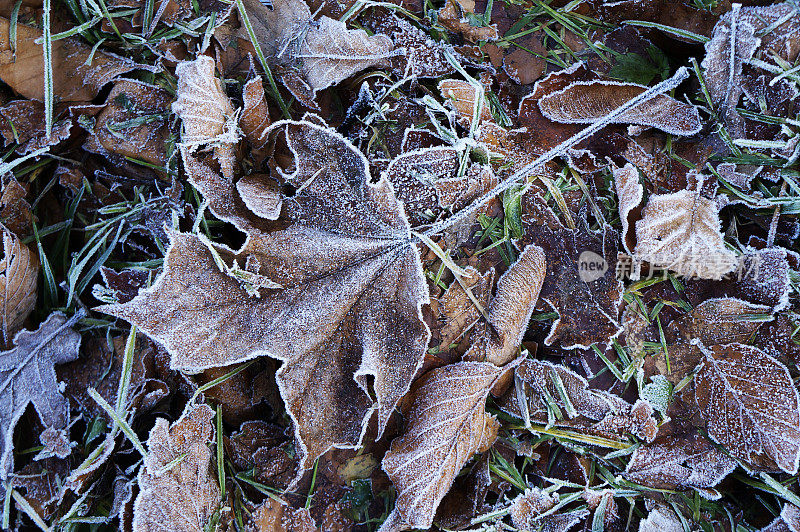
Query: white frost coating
x=350, y=306
x=750, y=403
x=560, y=150
x=681, y=232
x=28, y=376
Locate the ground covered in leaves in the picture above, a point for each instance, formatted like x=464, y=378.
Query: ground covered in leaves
x=417, y=264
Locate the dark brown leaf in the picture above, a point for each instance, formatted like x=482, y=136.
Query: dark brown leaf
x=679, y=462
x=343, y=304
x=19, y=271
x=750, y=403
x=447, y=425
x=588, y=311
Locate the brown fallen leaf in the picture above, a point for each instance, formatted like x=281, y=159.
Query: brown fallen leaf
x=558, y=396
x=723, y=320
x=629, y=194
x=134, y=122
x=761, y=276
x=462, y=95
x=466, y=498
x=19, y=271
x=316, y=53
x=740, y=36
x=423, y=56
x=511, y=308
x=428, y=184
x=527, y=509
x=661, y=519
x=787, y=521
x=750, y=403
x=525, y=63
x=255, y=119
x=456, y=309
x=261, y=194
x=73, y=79
x=344, y=303
x=681, y=232
x=447, y=425
x=42, y=484
x=588, y=311
x=454, y=16
x=16, y=214
x=178, y=491
x=24, y=123
x=275, y=515
x=28, y=376
x=206, y=112
x=414, y=175
x=266, y=449
x=585, y=102
x=680, y=462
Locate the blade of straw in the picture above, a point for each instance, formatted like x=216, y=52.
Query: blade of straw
x=666, y=85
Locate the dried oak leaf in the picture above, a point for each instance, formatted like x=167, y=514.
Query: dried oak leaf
x=585, y=102
x=681, y=232
x=588, y=311
x=178, y=491
x=28, y=376
x=750, y=404
x=73, y=79
x=344, y=303
x=447, y=425
x=670, y=462
x=207, y=113
x=19, y=270
x=275, y=515
x=558, y=396
x=312, y=55
x=527, y=509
